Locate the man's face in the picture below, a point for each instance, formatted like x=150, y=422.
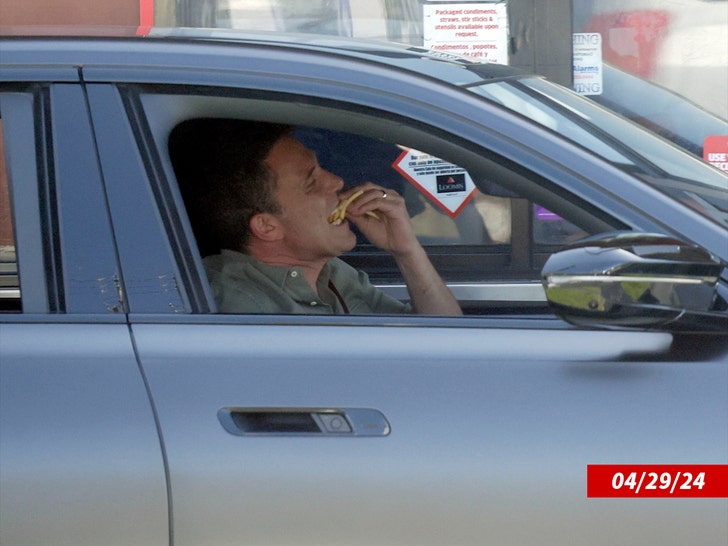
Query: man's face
x=307, y=195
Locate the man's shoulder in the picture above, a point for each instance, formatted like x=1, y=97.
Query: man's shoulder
x=218, y=261
x=230, y=263
x=237, y=284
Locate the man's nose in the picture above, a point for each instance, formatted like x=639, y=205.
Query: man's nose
x=334, y=182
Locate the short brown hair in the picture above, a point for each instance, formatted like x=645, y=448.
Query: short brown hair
x=219, y=164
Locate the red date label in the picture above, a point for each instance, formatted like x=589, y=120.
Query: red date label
x=677, y=481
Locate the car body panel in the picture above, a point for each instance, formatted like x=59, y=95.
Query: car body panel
x=80, y=457
x=491, y=432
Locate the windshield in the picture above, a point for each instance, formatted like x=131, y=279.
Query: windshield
x=659, y=163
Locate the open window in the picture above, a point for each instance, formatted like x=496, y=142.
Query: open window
x=487, y=223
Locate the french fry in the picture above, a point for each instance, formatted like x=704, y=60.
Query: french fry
x=339, y=213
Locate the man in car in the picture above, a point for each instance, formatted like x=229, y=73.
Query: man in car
x=260, y=203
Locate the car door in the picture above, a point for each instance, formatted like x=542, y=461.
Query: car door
x=80, y=458
x=389, y=430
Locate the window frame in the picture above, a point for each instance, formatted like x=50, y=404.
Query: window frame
x=65, y=250
x=516, y=291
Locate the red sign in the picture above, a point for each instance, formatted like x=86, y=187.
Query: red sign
x=715, y=151
x=631, y=38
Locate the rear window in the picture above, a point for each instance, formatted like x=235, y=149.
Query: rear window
x=9, y=287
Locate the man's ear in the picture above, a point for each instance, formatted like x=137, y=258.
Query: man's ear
x=266, y=227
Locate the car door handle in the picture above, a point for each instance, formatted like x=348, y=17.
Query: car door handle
x=303, y=421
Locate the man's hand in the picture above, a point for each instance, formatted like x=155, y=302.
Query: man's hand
x=392, y=231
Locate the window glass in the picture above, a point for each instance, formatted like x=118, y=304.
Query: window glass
x=551, y=229
x=679, y=175
x=547, y=114
x=650, y=149
x=9, y=288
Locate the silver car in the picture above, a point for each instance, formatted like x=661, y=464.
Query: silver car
x=589, y=257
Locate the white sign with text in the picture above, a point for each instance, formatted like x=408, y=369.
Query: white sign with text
x=588, y=66
x=448, y=186
x=478, y=30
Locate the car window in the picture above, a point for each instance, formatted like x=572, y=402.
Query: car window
x=518, y=100
x=9, y=286
x=679, y=175
x=487, y=241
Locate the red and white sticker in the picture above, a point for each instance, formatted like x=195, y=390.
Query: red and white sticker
x=715, y=151
x=448, y=186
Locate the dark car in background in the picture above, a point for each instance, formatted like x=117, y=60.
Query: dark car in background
x=588, y=255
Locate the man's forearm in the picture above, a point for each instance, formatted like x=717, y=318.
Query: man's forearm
x=428, y=293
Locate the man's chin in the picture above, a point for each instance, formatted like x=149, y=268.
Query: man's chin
x=348, y=240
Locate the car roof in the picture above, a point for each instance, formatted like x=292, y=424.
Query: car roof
x=388, y=52
x=442, y=65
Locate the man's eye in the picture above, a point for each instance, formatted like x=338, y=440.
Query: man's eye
x=311, y=183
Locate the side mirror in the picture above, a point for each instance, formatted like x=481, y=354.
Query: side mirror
x=628, y=279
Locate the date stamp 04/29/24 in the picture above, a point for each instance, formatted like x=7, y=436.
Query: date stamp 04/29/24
x=657, y=481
